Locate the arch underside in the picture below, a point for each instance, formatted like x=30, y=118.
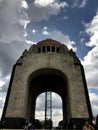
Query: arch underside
x=48, y=80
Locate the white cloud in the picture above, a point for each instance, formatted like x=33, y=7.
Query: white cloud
x=9, y=53
x=34, y=31
x=65, y=39
x=30, y=42
x=12, y=23
x=24, y=4
x=75, y=3
x=65, y=17
x=2, y=100
x=4, y=84
x=94, y=102
x=45, y=32
x=57, y=116
x=92, y=31
x=83, y=4
x=44, y=9
x=45, y=28
x=54, y=34
x=43, y=3
x=79, y=3
x=82, y=40
x=90, y=61
x=1, y=83
x=10, y=28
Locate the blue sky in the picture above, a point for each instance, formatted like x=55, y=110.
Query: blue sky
x=72, y=22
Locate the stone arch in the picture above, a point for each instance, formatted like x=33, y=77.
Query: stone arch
x=48, y=80
x=61, y=68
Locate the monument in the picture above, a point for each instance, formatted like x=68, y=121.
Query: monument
x=47, y=66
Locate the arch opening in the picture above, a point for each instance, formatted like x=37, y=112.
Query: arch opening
x=57, y=114
x=46, y=80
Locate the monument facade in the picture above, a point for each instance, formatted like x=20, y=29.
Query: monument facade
x=47, y=66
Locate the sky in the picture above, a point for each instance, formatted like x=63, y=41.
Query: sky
x=71, y=22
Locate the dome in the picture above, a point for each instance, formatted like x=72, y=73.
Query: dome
x=48, y=45
x=49, y=42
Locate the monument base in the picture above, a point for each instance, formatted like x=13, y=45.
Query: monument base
x=78, y=123
x=14, y=123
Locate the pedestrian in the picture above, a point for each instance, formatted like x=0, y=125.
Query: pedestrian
x=94, y=122
x=87, y=126
x=26, y=127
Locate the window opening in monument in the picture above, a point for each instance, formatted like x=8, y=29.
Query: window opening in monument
x=56, y=108
x=48, y=48
x=53, y=49
x=43, y=49
x=39, y=50
x=57, y=49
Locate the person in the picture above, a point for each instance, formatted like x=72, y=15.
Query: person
x=2, y=124
x=94, y=122
x=26, y=127
x=30, y=125
x=87, y=126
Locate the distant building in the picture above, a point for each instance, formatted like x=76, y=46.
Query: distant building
x=47, y=66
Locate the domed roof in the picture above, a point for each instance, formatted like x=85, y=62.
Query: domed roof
x=49, y=42
x=49, y=46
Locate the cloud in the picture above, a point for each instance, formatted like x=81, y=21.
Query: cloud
x=43, y=3
x=79, y=3
x=10, y=27
x=94, y=102
x=44, y=31
x=9, y=53
x=92, y=31
x=12, y=41
x=54, y=34
x=56, y=101
x=47, y=32
x=40, y=103
x=34, y=31
x=5, y=83
x=90, y=61
x=44, y=9
x=65, y=39
x=83, y=4
x=65, y=17
x=2, y=100
x=2, y=83
x=24, y=4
